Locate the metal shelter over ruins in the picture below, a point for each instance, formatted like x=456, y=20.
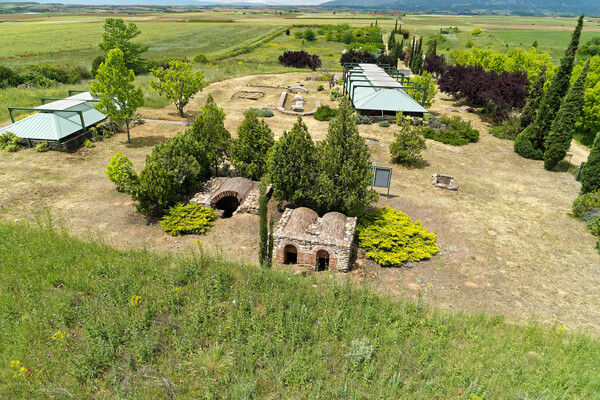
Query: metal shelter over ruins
x=381, y=91
x=63, y=123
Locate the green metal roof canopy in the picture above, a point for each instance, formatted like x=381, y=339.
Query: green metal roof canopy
x=370, y=87
x=56, y=120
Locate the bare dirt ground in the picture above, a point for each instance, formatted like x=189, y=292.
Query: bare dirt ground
x=507, y=243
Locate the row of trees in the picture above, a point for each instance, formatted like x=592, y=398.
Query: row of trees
x=333, y=175
x=545, y=138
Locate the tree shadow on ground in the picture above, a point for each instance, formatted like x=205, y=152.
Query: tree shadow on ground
x=145, y=141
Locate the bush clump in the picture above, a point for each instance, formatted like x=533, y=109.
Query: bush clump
x=187, y=218
x=88, y=144
x=384, y=124
x=335, y=94
x=260, y=113
x=10, y=142
x=360, y=119
x=200, y=58
x=587, y=205
x=300, y=59
x=120, y=172
x=391, y=238
x=508, y=129
x=325, y=113
x=453, y=131
x=42, y=147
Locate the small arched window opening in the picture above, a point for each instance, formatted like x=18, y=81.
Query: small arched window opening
x=322, y=260
x=290, y=254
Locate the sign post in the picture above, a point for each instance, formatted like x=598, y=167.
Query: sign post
x=382, y=177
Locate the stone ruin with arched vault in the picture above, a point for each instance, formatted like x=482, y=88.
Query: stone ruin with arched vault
x=326, y=243
x=229, y=196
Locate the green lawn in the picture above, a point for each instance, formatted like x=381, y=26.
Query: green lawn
x=80, y=319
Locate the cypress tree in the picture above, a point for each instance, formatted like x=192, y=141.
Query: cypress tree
x=533, y=100
x=263, y=243
x=419, y=61
x=344, y=168
x=292, y=165
x=411, y=54
x=558, y=140
x=558, y=88
x=590, y=173
x=391, y=42
x=271, y=243
x=432, y=49
x=396, y=26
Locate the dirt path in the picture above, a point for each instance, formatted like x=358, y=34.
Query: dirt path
x=507, y=243
x=580, y=153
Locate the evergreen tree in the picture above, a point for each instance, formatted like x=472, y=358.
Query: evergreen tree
x=552, y=99
x=263, y=243
x=209, y=130
x=249, y=152
x=344, y=168
x=432, y=49
x=558, y=140
x=590, y=173
x=410, y=54
x=533, y=100
x=396, y=26
x=419, y=57
x=292, y=165
x=391, y=42
x=271, y=242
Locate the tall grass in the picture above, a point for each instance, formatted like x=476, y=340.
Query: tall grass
x=81, y=319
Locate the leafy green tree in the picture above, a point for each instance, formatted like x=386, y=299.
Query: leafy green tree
x=591, y=47
x=118, y=35
x=552, y=99
x=558, y=140
x=178, y=83
x=590, y=173
x=309, y=35
x=589, y=123
x=344, y=168
x=113, y=87
x=249, y=152
x=533, y=100
x=292, y=165
x=209, y=130
x=425, y=80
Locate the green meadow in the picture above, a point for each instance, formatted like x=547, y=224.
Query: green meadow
x=81, y=319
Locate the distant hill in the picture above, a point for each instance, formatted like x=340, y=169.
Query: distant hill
x=519, y=7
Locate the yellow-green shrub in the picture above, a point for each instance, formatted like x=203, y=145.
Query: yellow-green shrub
x=187, y=218
x=391, y=238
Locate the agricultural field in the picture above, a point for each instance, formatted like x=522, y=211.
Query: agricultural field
x=142, y=314
x=74, y=39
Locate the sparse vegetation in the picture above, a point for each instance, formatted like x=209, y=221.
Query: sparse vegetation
x=452, y=130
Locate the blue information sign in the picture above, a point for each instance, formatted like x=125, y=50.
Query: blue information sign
x=382, y=177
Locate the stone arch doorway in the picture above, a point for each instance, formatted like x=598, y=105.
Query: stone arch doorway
x=227, y=205
x=290, y=254
x=322, y=260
